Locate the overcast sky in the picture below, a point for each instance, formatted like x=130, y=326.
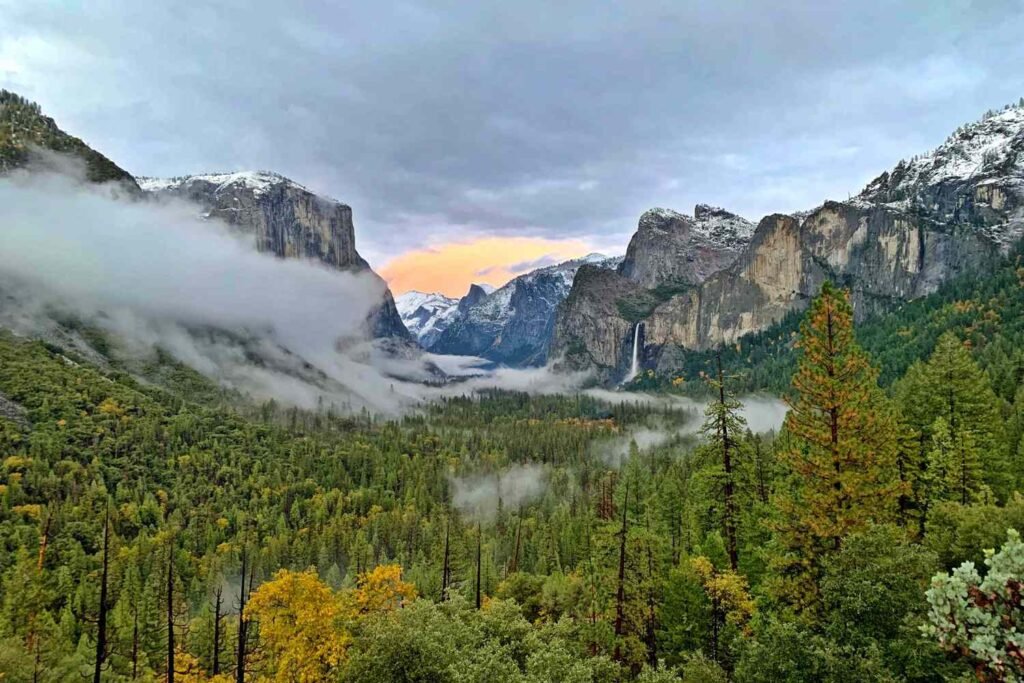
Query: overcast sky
x=446, y=122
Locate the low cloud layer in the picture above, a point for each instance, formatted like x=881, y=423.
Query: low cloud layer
x=90, y=252
x=762, y=413
x=480, y=496
x=154, y=274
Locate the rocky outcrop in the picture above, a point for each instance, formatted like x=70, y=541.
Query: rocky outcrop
x=473, y=297
x=673, y=248
x=14, y=412
x=883, y=257
x=589, y=330
x=953, y=211
x=513, y=325
x=285, y=219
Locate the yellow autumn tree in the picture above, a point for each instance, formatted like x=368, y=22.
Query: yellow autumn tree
x=187, y=668
x=300, y=628
x=381, y=590
x=729, y=599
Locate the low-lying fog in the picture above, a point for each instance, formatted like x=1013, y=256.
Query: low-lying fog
x=156, y=274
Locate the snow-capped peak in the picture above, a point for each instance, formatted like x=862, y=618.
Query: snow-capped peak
x=719, y=228
x=426, y=314
x=992, y=147
x=259, y=182
x=498, y=304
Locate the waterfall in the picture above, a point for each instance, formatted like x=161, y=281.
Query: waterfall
x=634, y=367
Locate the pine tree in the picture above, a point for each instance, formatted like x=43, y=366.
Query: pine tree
x=842, y=451
x=620, y=582
x=723, y=427
x=954, y=467
x=104, y=605
x=968, y=404
x=953, y=387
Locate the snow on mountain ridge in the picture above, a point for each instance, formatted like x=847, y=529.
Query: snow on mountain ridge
x=719, y=228
x=988, y=148
x=426, y=314
x=513, y=324
x=497, y=306
x=258, y=181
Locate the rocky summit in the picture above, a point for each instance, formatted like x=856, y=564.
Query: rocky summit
x=693, y=283
x=671, y=247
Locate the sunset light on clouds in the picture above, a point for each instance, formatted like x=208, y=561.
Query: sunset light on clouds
x=452, y=267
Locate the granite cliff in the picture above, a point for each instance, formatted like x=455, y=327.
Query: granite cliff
x=285, y=219
x=954, y=210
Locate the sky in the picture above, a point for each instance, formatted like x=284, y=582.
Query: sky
x=474, y=139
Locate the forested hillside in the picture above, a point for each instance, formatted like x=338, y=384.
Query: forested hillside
x=24, y=130
x=510, y=537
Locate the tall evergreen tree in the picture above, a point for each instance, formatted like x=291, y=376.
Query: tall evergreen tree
x=841, y=453
x=953, y=387
x=101, y=621
x=723, y=427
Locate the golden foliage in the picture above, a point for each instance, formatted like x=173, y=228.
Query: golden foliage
x=727, y=591
x=34, y=511
x=382, y=590
x=186, y=668
x=111, y=407
x=17, y=462
x=299, y=621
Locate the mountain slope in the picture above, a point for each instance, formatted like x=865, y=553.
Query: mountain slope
x=513, y=324
x=26, y=134
x=974, y=179
x=285, y=219
x=951, y=212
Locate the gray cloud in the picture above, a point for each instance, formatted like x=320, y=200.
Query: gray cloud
x=558, y=119
x=543, y=261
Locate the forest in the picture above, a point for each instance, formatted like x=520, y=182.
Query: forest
x=166, y=533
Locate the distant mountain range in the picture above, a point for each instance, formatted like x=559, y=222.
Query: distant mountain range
x=511, y=325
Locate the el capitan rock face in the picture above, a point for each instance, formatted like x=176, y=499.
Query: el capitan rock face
x=950, y=212
x=285, y=219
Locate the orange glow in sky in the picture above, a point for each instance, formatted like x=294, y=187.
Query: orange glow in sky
x=450, y=268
